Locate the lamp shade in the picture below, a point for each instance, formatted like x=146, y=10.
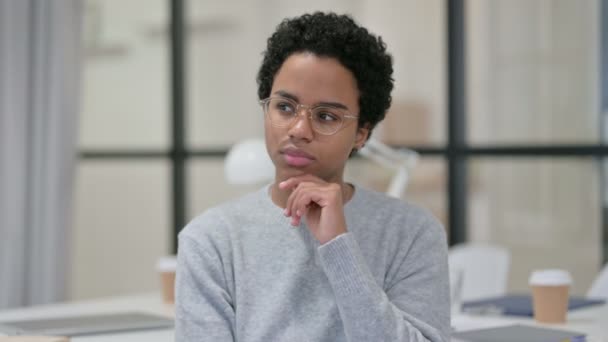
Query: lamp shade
x=248, y=162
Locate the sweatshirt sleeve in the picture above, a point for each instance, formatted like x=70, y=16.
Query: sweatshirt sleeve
x=414, y=308
x=203, y=310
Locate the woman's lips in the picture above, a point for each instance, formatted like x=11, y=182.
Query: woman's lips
x=297, y=158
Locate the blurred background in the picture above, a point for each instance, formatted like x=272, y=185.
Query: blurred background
x=503, y=99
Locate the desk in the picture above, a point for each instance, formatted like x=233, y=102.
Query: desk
x=147, y=303
x=592, y=321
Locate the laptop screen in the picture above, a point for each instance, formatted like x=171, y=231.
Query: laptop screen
x=86, y=325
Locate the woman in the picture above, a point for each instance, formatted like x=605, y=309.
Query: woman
x=310, y=257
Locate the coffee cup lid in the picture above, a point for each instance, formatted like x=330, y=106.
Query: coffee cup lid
x=550, y=277
x=167, y=264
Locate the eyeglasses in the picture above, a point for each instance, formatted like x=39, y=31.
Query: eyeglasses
x=326, y=120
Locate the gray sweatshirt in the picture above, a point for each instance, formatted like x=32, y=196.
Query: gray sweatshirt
x=245, y=274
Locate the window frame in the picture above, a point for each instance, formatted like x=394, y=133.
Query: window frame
x=456, y=152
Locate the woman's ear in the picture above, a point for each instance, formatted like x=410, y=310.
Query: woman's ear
x=361, y=137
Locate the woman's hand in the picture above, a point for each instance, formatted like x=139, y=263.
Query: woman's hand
x=320, y=202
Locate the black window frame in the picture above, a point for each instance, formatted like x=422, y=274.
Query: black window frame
x=457, y=152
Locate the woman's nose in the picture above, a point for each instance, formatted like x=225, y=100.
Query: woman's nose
x=301, y=126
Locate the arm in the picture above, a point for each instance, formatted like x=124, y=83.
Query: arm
x=415, y=305
x=203, y=310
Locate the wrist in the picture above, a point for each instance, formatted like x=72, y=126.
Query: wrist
x=330, y=237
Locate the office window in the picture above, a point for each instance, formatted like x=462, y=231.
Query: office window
x=534, y=99
x=516, y=79
x=208, y=186
x=533, y=72
x=225, y=43
x=534, y=133
x=546, y=211
x=415, y=33
x=507, y=87
x=426, y=186
x=122, y=195
x=121, y=226
x=125, y=74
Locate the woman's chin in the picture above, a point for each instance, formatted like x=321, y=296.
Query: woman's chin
x=289, y=172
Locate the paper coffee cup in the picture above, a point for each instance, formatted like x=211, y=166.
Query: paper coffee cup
x=166, y=267
x=550, y=292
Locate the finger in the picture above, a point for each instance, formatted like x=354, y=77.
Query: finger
x=298, y=202
x=287, y=184
x=290, y=183
x=296, y=217
x=290, y=208
x=313, y=196
x=288, y=205
x=295, y=220
x=302, y=203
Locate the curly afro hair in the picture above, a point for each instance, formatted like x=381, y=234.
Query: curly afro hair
x=340, y=37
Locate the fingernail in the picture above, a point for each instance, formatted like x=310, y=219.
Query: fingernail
x=298, y=213
x=286, y=212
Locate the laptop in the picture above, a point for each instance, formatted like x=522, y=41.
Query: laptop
x=86, y=324
x=518, y=333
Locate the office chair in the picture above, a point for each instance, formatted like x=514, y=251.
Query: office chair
x=599, y=288
x=483, y=270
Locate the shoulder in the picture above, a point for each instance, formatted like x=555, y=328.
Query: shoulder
x=396, y=214
x=216, y=222
x=380, y=205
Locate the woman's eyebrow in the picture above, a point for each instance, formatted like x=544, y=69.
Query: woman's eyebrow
x=323, y=104
x=287, y=95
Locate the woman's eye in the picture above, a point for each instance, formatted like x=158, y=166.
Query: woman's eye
x=327, y=117
x=285, y=107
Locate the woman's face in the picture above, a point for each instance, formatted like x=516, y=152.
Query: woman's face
x=297, y=149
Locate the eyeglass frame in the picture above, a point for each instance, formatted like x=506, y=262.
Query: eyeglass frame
x=309, y=108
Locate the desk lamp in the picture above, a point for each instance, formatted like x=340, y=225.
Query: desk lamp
x=399, y=160
x=247, y=162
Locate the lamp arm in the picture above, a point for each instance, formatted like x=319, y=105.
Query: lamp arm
x=388, y=156
x=400, y=160
x=398, y=183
